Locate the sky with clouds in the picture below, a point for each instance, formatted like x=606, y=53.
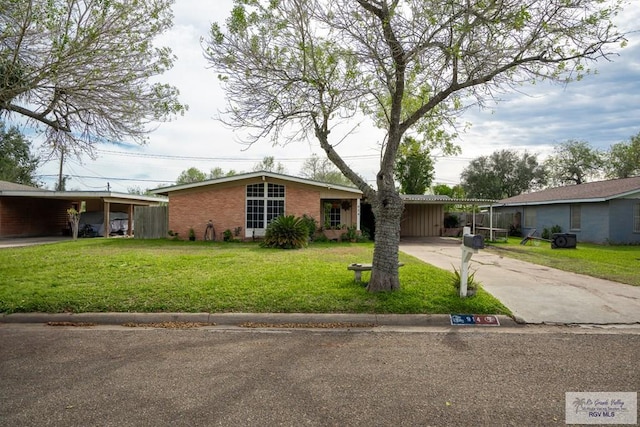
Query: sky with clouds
x=602, y=109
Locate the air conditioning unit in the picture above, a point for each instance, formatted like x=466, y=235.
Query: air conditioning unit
x=563, y=240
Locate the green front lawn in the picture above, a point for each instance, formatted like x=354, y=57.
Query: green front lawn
x=125, y=275
x=617, y=263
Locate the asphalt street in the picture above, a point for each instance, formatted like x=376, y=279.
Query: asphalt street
x=431, y=376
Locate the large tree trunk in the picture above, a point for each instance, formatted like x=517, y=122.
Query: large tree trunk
x=387, y=209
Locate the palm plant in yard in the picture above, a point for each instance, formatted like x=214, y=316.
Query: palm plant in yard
x=286, y=232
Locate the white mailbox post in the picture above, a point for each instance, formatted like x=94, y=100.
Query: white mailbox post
x=470, y=245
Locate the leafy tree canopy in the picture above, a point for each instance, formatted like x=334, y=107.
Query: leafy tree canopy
x=17, y=164
x=504, y=173
x=194, y=174
x=218, y=172
x=456, y=191
x=623, y=159
x=414, y=167
x=82, y=69
x=191, y=175
x=323, y=170
x=574, y=162
x=269, y=164
x=136, y=189
x=295, y=69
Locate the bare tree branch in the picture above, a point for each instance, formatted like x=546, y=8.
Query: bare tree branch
x=83, y=67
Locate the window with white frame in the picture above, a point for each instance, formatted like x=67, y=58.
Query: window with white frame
x=334, y=216
x=575, y=217
x=265, y=201
x=636, y=218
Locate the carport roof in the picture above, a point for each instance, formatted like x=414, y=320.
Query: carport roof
x=430, y=199
x=9, y=189
x=6, y=185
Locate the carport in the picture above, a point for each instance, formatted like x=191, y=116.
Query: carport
x=424, y=214
x=28, y=211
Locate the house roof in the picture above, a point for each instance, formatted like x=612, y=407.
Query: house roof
x=6, y=185
x=252, y=175
x=431, y=199
x=599, y=191
x=10, y=189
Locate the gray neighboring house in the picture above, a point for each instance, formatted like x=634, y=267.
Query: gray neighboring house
x=596, y=212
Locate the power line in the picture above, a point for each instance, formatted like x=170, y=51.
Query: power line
x=225, y=159
x=255, y=159
x=112, y=178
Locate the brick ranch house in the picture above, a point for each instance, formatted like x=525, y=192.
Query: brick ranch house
x=245, y=204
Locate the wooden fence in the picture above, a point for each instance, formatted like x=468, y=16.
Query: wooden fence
x=151, y=222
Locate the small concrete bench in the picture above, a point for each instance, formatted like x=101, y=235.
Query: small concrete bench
x=359, y=268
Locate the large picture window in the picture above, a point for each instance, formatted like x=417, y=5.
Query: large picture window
x=265, y=201
x=636, y=218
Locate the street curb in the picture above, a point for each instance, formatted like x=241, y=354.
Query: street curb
x=235, y=319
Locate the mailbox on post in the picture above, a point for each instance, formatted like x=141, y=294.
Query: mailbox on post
x=473, y=241
x=470, y=245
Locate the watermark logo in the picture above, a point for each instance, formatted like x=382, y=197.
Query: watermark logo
x=601, y=408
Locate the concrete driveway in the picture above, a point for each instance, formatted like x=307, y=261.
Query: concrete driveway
x=17, y=242
x=534, y=293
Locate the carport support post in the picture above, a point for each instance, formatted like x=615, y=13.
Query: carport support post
x=130, y=221
x=107, y=208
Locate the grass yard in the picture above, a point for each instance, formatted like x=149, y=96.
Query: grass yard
x=126, y=275
x=617, y=263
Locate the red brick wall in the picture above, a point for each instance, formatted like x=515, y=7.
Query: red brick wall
x=225, y=206
x=301, y=200
x=26, y=217
x=194, y=208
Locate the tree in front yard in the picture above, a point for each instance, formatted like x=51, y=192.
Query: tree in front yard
x=295, y=69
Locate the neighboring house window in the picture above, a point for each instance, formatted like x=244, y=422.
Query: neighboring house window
x=265, y=201
x=575, y=217
x=636, y=218
x=529, y=217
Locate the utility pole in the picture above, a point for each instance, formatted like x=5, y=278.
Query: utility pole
x=60, y=170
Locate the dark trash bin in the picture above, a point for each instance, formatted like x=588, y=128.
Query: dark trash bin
x=563, y=240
